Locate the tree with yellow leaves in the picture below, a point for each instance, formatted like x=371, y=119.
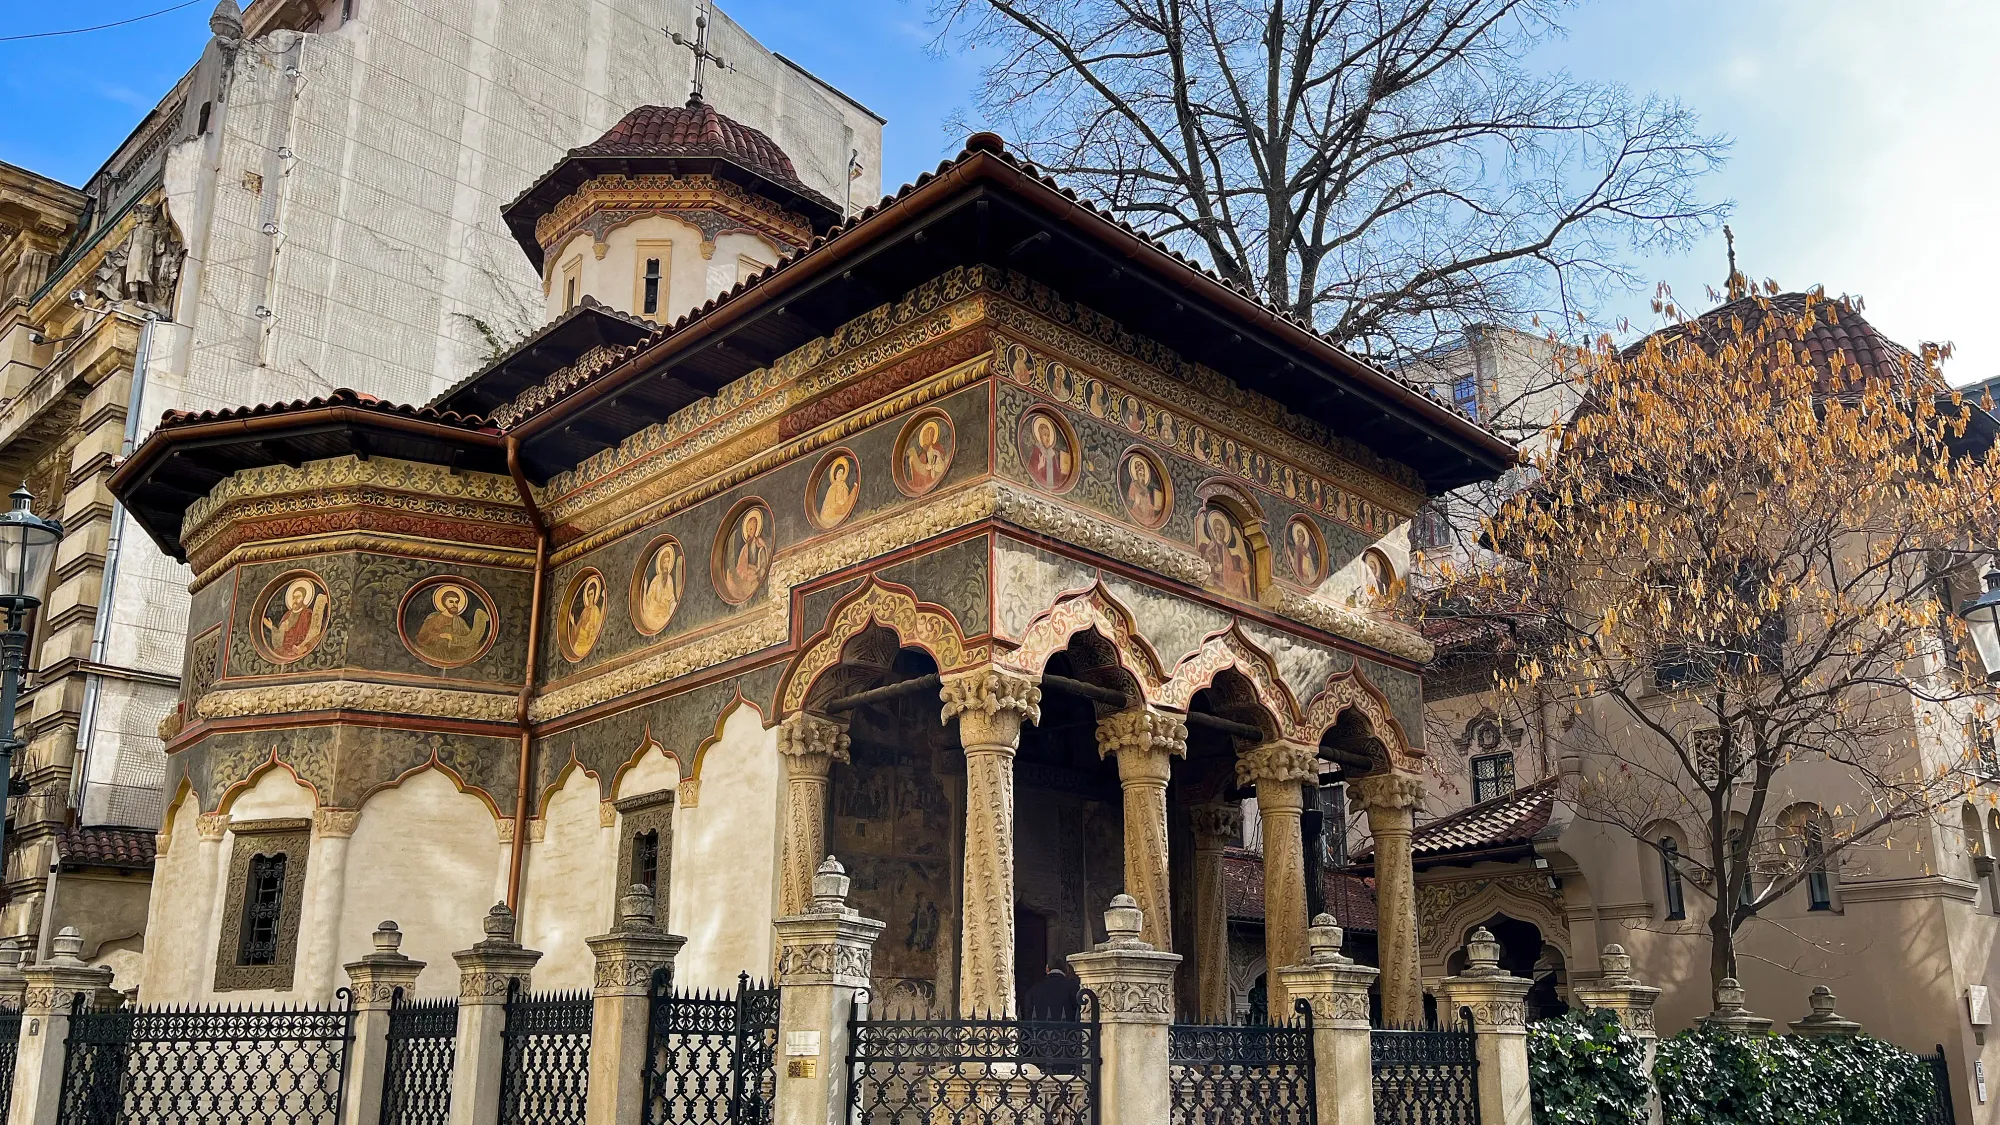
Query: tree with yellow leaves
x=1734, y=568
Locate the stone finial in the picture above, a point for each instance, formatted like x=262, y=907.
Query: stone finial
x=226, y=21
x=11, y=953
x=499, y=925
x=1615, y=965
x=1482, y=955
x=1730, y=1012
x=388, y=939
x=1824, y=1020
x=636, y=908
x=1730, y=995
x=1122, y=924
x=67, y=946
x=829, y=887
x=1323, y=939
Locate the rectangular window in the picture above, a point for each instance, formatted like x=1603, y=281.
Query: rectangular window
x=1819, y=888
x=1492, y=776
x=1670, y=875
x=572, y=283
x=646, y=860
x=649, y=301
x=1465, y=394
x=645, y=851
x=652, y=278
x=263, y=904
x=259, y=921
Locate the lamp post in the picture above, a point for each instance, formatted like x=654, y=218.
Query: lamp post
x=1982, y=618
x=27, y=547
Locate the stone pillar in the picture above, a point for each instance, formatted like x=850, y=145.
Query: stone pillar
x=810, y=745
x=1824, y=1020
x=1391, y=800
x=1146, y=741
x=1619, y=991
x=824, y=957
x=621, y=1006
x=485, y=973
x=1343, y=1060
x=13, y=983
x=1731, y=1015
x=1498, y=1001
x=1134, y=985
x=1217, y=827
x=990, y=704
x=1278, y=769
x=375, y=981
x=53, y=987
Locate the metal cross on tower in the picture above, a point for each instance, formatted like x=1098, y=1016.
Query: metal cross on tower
x=698, y=46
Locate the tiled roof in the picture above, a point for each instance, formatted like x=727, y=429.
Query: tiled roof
x=104, y=846
x=339, y=397
x=1839, y=328
x=1350, y=898
x=693, y=130
x=1513, y=819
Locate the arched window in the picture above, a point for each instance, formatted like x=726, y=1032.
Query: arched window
x=1670, y=878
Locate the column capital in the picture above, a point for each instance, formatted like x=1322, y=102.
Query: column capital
x=634, y=950
x=375, y=978
x=812, y=742
x=338, y=823
x=1279, y=760
x=1497, y=998
x=1145, y=731
x=1334, y=984
x=830, y=943
x=1389, y=790
x=211, y=825
x=487, y=969
x=1216, y=825
x=1133, y=982
x=54, y=985
x=990, y=703
x=1619, y=991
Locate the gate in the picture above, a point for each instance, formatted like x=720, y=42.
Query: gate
x=711, y=1057
x=545, y=1057
x=156, y=1066
x=10, y=1046
x=416, y=1079
x=1260, y=1074
x=1425, y=1077
x=1940, y=1111
x=975, y=1071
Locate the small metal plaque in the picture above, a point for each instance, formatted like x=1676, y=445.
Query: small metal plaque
x=802, y=1068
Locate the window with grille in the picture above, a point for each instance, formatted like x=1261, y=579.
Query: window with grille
x=1670, y=877
x=263, y=907
x=650, y=301
x=646, y=860
x=1492, y=776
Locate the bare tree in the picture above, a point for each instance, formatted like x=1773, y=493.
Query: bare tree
x=1388, y=170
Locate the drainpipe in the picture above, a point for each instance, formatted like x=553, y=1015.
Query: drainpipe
x=518, y=853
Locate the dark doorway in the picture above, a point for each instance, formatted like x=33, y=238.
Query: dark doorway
x=1031, y=953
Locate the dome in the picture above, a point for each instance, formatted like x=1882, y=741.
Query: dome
x=1839, y=328
x=694, y=130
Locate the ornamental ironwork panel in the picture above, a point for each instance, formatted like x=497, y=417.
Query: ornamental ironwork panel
x=10, y=1046
x=246, y=1066
x=1940, y=1111
x=975, y=1071
x=1259, y=1074
x=711, y=1056
x=545, y=1058
x=416, y=1078
x=1425, y=1077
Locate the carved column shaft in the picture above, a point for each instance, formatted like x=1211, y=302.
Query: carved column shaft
x=1216, y=828
x=1279, y=769
x=1146, y=742
x=810, y=745
x=990, y=705
x=1391, y=800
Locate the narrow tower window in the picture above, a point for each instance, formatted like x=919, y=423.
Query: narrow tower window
x=1670, y=875
x=263, y=905
x=650, y=300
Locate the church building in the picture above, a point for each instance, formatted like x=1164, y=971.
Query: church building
x=977, y=540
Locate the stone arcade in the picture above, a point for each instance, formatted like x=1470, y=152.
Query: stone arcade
x=979, y=541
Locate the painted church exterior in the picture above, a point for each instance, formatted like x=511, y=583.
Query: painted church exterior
x=977, y=540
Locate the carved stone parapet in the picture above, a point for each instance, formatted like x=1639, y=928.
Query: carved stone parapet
x=1277, y=761
x=990, y=704
x=486, y=971
x=1133, y=982
x=54, y=984
x=1618, y=991
x=375, y=979
x=1386, y=791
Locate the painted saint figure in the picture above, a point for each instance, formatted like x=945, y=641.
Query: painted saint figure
x=746, y=555
x=658, y=592
x=924, y=452
x=583, y=622
x=296, y=626
x=1305, y=552
x=1145, y=490
x=839, y=490
x=1046, y=452
x=449, y=636
x=1221, y=543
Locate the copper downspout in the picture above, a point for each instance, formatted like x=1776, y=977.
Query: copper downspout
x=517, y=854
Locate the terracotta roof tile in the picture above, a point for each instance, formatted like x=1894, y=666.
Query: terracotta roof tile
x=339, y=397
x=1350, y=898
x=1840, y=328
x=105, y=846
x=1512, y=819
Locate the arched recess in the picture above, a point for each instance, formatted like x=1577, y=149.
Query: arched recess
x=456, y=778
x=1350, y=691
x=1448, y=911
x=235, y=792
x=1249, y=517
x=638, y=766
x=1230, y=649
x=1095, y=608
x=894, y=607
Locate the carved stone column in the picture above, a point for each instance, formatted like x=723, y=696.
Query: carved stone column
x=621, y=1003
x=1498, y=1002
x=1134, y=985
x=1337, y=988
x=485, y=972
x=1217, y=827
x=1617, y=989
x=824, y=958
x=375, y=980
x=990, y=704
x=810, y=744
x=1278, y=769
x=53, y=987
x=1146, y=742
x=1391, y=800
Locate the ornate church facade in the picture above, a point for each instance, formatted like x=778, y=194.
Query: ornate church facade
x=977, y=540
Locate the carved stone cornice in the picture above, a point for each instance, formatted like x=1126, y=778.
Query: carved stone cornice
x=434, y=550
x=990, y=704
x=357, y=695
x=760, y=629
x=379, y=481
x=1386, y=791
x=1277, y=761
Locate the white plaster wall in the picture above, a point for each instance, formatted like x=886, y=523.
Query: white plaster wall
x=566, y=888
x=689, y=278
x=179, y=914
x=422, y=856
x=725, y=875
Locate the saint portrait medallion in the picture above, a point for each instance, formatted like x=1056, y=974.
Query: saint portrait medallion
x=447, y=621
x=581, y=620
x=657, y=583
x=1305, y=552
x=1144, y=488
x=834, y=487
x=923, y=452
x=290, y=619
x=1048, y=449
x=1219, y=539
x=1378, y=583
x=743, y=551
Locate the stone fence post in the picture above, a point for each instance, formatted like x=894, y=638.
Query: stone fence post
x=13, y=983
x=1621, y=993
x=375, y=980
x=485, y=973
x=621, y=1007
x=1730, y=1014
x=53, y=987
x=824, y=958
x=1343, y=1045
x=1134, y=984
x=1498, y=1001
x=1824, y=1021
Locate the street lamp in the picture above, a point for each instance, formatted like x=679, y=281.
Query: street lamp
x=27, y=547
x=1982, y=618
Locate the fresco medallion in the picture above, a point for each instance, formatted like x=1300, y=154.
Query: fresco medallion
x=1048, y=449
x=924, y=450
x=743, y=551
x=581, y=620
x=833, y=489
x=657, y=585
x=291, y=617
x=1144, y=488
x=447, y=621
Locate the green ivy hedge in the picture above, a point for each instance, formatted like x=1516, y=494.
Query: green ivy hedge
x=1586, y=1069
x=1718, y=1078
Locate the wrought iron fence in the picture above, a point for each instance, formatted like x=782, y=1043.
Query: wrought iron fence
x=10, y=1046
x=711, y=1056
x=545, y=1058
x=977, y=1071
x=1259, y=1074
x=1425, y=1076
x=416, y=1078
x=1941, y=1110
x=246, y=1066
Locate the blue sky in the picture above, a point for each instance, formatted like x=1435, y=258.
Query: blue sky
x=1864, y=156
